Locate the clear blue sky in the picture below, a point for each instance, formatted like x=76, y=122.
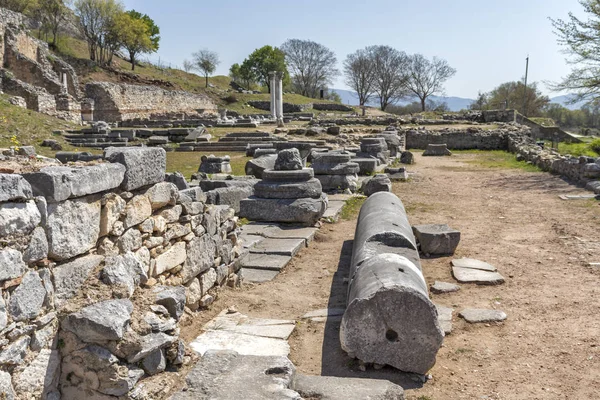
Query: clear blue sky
x=486, y=41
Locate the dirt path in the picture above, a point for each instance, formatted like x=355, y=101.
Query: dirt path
x=548, y=348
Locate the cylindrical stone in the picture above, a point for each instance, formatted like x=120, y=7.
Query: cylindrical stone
x=389, y=319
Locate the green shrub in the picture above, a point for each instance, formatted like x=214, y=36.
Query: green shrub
x=231, y=99
x=595, y=145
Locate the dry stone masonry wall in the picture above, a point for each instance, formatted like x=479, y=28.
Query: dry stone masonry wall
x=97, y=264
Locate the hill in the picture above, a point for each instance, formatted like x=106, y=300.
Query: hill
x=454, y=103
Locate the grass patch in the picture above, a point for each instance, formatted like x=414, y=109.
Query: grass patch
x=188, y=162
x=352, y=208
x=29, y=127
x=463, y=350
x=497, y=159
x=578, y=149
x=543, y=121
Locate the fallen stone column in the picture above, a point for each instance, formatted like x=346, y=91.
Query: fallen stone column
x=389, y=319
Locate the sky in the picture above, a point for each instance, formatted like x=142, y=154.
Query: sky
x=487, y=42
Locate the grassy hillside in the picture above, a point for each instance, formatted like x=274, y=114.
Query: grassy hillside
x=75, y=51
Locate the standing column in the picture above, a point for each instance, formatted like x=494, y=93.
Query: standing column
x=279, y=92
x=273, y=97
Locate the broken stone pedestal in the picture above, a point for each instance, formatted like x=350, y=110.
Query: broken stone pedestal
x=436, y=239
x=288, y=193
x=374, y=148
x=377, y=183
x=336, y=172
x=437, y=150
x=215, y=165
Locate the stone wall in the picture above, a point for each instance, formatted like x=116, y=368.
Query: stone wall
x=332, y=107
x=97, y=263
x=287, y=107
x=464, y=139
x=37, y=99
x=499, y=116
x=120, y=102
x=552, y=133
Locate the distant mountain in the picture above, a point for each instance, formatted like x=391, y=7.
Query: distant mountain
x=454, y=103
x=564, y=101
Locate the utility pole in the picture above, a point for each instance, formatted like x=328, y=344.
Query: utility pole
x=525, y=92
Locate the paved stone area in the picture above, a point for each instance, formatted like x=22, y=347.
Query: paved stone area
x=283, y=247
x=271, y=262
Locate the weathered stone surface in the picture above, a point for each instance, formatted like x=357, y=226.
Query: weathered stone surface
x=297, y=175
x=258, y=275
x=18, y=218
x=172, y=298
x=177, y=179
x=69, y=277
x=272, y=262
x=61, y=183
x=41, y=376
x=288, y=190
x=126, y=270
x=255, y=167
x=43, y=338
x=243, y=324
x=3, y=313
x=331, y=158
x=159, y=324
x=377, y=183
x=349, y=168
x=230, y=196
x=162, y=194
x=73, y=227
x=137, y=210
x=334, y=388
x=15, y=353
x=193, y=293
x=38, y=246
x=144, y=165
x=472, y=263
x=437, y=150
x=407, y=158
x=288, y=160
x=11, y=264
x=149, y=344
x=437, y=239
x=155, y=362
x=208, y=280
x=113, y=206
x=195, y=194
x=171, y=258
x=6, y=388
x=445, y=318
x=305, y=210
x=14, y=187
x=247, y=377
x=284, y=247
x=444, y=287
x=475, y=315
x=200, y=256
x=172, y=214
x=28, y=298
x=477, y=276
x=215, y=165
x=338, y=182
x=100, y=322
x=130, y=241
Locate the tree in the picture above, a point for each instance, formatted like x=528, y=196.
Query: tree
x=137, y=33
x=480, y=103
x=234, y=73
x=264, y=60
x=312, y=66
x=359, y=70
x=247, y=75
x=206, y=61
x=188, y=65
x=427, y=77
x=97, y=20
x=20, y=6
x=512, y=95
x=391, y=68
x=581, y=40
x=52, y=14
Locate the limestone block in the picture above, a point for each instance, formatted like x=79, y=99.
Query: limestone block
x=288, y=160
x=41, y=376
x=144, y=165
x=57, y=183
x=334, y=388
x=305, y=210
x=437, y=150
x=11, y=264
x=6, y=387
x=288, y=190
x=99, y=322
x=349, y=168
x=126, y=270
x=171, y=258
x=172, y=214
x=193, y=293
x=377, y=183
x=38, y=246
x=208, y=280
x=69, y=277
x=172, y=298
x=27, y=300
x=436, y=239
x=338, y=182
x=112, y=207
x=18, y=218
x=255, y=167
x=73, y=227
x=14, y=187
x=201, y=252
x=162, y=194
x=298, y=175
x=15, y=353
x=155, y=362
x=137, y=210
x=130, y=241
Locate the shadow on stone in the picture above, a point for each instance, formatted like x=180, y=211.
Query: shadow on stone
x=335, y=362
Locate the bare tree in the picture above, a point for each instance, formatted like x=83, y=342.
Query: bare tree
x=53, y=14
x=312, y=65
x=97, y=20
x=188, y=65
x=360, y=75
x=206, y=61
x=391, y=67
x=426, y=77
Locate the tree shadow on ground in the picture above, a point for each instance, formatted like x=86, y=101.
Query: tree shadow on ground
x=335, y=362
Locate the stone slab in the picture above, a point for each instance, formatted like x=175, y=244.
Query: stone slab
x=334, y=209
x=445, y=318
x=324, y=312
x=443, y=287
x=281, y=232
x=241, y=343
x=477, y=276
x=258, y=275
x=256, y=228
x=473, y=264
x=436, y=239
x=249, y=241
x=478, y=315
x=269, y=262
x=240, y=323
x=337, y=388
x=284, y=247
